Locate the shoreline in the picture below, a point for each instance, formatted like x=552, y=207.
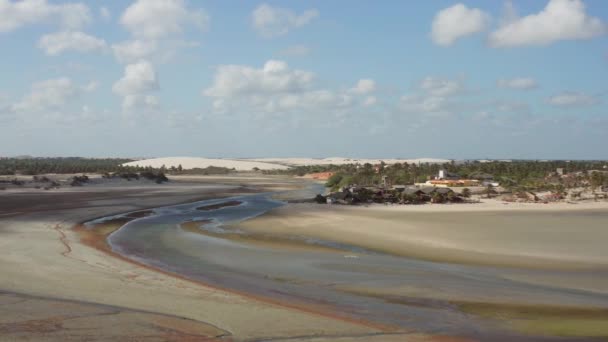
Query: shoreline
x=80, y=265
x=100, y=243
x=35, y=231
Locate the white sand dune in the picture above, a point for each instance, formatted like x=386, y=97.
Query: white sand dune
x=194, y=162
x=342, y=161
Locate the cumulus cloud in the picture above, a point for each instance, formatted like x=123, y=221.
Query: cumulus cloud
x=433, y=97
x=134, y=50
x=364, y=86
x=271, y=21
x=274, y=77
x=156, y=19
x=559, y=20
x=139, y=102
x=56, y=43
x=572, y=99
x=275, y=89
x=138, y=80
x=518, y=83
x=423, y=104
x=458, y=21
x=48, y=94
x=16, y=14
x=440, y=87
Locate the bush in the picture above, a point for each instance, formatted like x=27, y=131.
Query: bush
x=320, y=199
x=334, y=180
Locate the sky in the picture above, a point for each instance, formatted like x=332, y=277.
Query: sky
x=392, y=79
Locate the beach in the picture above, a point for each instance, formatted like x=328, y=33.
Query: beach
x=45, y=264
x=491, y=232
x=219, y=258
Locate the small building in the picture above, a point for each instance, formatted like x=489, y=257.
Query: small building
x=445, y=175
x=444, y=191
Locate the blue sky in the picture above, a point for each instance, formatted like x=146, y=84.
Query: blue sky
x=449, y=79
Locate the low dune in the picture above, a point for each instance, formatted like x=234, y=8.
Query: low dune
x=188, y=163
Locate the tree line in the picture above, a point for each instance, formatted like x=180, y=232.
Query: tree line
x=524, y=174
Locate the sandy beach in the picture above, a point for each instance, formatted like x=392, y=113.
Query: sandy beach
x=491, y=232
x=342, y=271
x=45, y=264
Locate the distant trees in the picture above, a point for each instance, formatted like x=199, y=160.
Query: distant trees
x=598, y=179
x=513, y=175
x=334, y=180
x=37, y=166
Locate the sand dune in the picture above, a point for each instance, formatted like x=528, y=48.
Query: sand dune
x=269, y=163
x=194, y=162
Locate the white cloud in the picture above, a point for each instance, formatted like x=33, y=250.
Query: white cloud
x=559, y=20
x=440, y=87
x=572, y=99
x=105, y=13
x=276, y=90
x=296, y=51
x=16, y=14
x=139, y=79
x=274, y=77
x=433, y=98
x=56, y=43
x=518, y=83
x=423, y=104
x=134, y=50
x=364, y=86
x=156, y=19
x=458, y=21
x=139, y=102
x=271, y=21
x=48, y=94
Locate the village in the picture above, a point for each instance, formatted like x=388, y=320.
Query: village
x=448, y=187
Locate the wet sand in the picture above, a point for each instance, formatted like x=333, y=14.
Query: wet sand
x=523, y=264
x=556, y=236
x=45, y=265
x=357, y=281
x=325, y=273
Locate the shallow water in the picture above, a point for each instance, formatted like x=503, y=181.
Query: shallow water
x=319, y=276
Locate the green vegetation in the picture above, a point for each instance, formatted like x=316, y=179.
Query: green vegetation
x=107, y=166
x=36, y=166
x=517, y=175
